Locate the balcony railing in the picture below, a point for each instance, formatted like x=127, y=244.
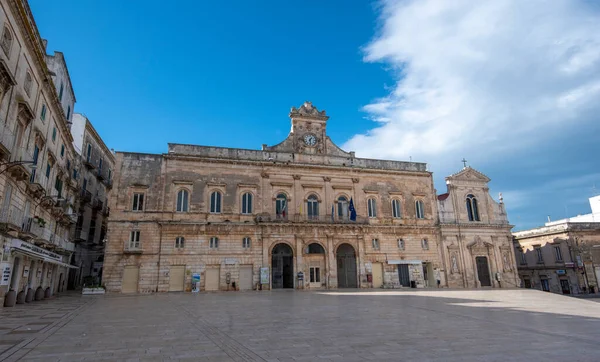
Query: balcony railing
x=323, y=219
x=86, y=196
x=97, y=204
x=62, y=243
x=39, y=177
x=7, y=140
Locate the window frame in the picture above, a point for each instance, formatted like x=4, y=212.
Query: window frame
x=472, y=208
x=396, y=209
x=425, y=244
x=179, y=242
x=216, y=204
x=375, y=244
x=247, y=203
x=281, y=205
x=419, y=209
x=54, y=134
x=135, y=203
x=7, y=47
x=134, y=239
x=343, y=207
x=28, y=83
x=539, y=254
x=60, y=92
x=182, y=200
x=401, y=244
x=312, y=207
x=43, y=112
x=246, y=242
x=558, y=253
x=372, y=207
x=213, y=242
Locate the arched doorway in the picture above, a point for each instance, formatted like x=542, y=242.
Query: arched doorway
x=346, y=266
x=282, y=267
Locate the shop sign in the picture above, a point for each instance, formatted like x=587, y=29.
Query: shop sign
x=561, y=272
x=264, y=275
x=230, y=261
x=6, y=272
x=35, y=250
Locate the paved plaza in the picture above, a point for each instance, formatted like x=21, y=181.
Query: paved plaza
x=438, y=325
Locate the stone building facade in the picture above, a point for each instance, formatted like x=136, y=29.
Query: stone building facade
x=38, y=196
x=562, y=256
x=300, y=214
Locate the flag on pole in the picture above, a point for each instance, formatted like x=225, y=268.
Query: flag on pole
x=352, y=210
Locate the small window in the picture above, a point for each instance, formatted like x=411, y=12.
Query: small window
x=375, y=243
x=100, y=165
x=138, y=202
x=62, y=150
x=7, y=40
x=246, y=242
x=523, y=258
x=134, y=239
x=43, y=113
x=396, y=209
x=540, y=257
x=54, y=134
x=48, y=169
x=425, y=244
x=182, y=201
x=372, y=207
x=88, y=156
x=401, y=244
x=60, y=92
x=28, y=83
x=312, y=207
x=472, y=209
x=419, y=209
x=109, y=174
x=179, y=242
x=69, y=165
x=215, y=202
x=247, y=203
x=558, y=253
x=214, y=242
x=315, y=248
x=68, y=112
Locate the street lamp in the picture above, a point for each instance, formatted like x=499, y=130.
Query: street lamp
x=15, y=163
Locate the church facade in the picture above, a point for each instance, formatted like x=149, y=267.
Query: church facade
x=300, y=214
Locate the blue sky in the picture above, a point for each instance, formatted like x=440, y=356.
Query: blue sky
x=512, y=86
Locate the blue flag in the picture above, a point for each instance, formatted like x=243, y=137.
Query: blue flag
x=352, y=210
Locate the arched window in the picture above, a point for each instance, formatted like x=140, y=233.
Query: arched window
x=182, y=201
x=28, y=82
x=372, y=207
x=179, y=242
x=342, y=202
x=419, y=209
x=472, y=209
x=312, y=207
x=396, y=209
x=247, y=203
x=215, y=202
x=246, y=242
x=315, y=248
x=281, y=206
x=7, y=40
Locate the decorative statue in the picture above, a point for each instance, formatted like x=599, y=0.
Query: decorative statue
x=454, y=264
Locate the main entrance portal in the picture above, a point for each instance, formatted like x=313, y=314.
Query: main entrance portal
x=346, y=266
x=282, y=267
x=483, y=271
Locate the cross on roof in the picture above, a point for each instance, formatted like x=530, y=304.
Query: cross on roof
x=464, y=162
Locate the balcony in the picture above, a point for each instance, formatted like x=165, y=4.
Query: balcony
x=97, y=204
x=90, y=162
x=318, y=219
x=61, y=244
x=37, y=183
x=26, y=228
x=7, y=140
x=106, y=211
x=101, y=174
x=108, y=183
x=21, y=169
x=86, y=196
x=11, y=219
x=80, y=234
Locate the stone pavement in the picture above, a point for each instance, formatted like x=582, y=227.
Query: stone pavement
x=436, y=325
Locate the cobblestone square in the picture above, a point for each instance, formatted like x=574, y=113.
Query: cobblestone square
x=425, y=325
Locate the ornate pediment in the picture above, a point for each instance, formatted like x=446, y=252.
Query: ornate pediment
x=479, y=244
x=307, y=110
x=24, y=111
x=469, y=174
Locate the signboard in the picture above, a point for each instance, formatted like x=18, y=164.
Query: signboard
x=405, y=262
x=195, y=282
x=37, y=251
x=561, y=272
x=230, y=261
x=300, y=276
x=264, y=275
x=6, y=272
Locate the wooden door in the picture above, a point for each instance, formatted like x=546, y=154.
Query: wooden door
x=246, y=280
x=177, y=278
x=212, y=278
x=131, y=275
x=483, y=271
x=377, y=275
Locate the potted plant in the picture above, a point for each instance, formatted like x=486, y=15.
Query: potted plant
x=40, y=221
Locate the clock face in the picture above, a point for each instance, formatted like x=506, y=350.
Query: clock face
x=310, y=139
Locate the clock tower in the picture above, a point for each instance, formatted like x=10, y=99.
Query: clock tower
x=308, y=129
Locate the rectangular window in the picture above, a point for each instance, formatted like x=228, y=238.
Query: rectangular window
x=545, y=285
x=54, y=134
x=214, y=242
x=540, y=257
x=523, y=258
x=138, y=202
x=315, y=275
x=48, y=169
x=69, y=165
x=88, y=156
x=134, y=239
x=68, y=112
x=62, y=151
x=179, y=242
x=100, y=165
x=109, y=174
x=375, y=243
x=425, y=244
x=400, y=244
x=558, y=253
x=43, y=113
x=60, y=92
x=246, y=243
x=372, y=208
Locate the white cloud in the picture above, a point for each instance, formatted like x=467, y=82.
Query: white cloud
x=479, y=77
